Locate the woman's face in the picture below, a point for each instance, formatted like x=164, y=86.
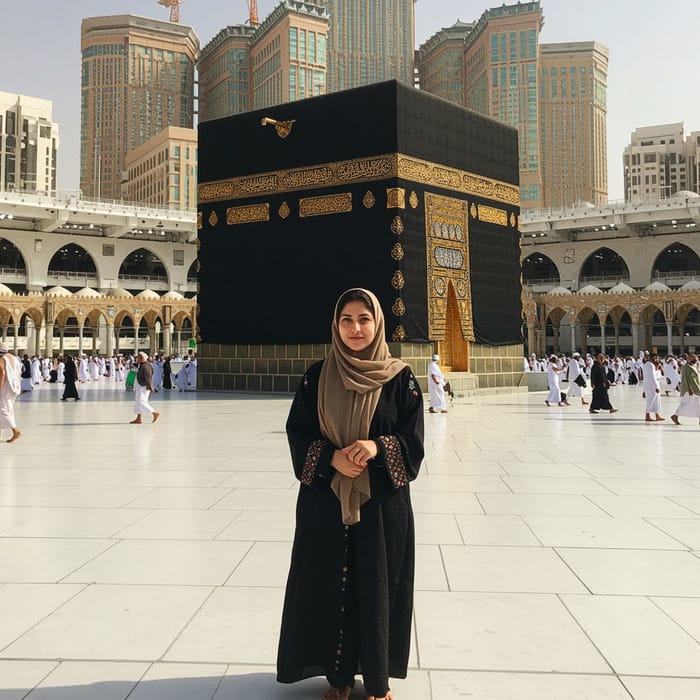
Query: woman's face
x=356, y=326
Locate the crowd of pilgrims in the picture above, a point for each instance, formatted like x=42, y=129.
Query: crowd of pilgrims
x=655, y=374
x=619, y=370
x=91, y=368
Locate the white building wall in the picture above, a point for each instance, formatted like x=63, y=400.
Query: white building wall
x=40, y=142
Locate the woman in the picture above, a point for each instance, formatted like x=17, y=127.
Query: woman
x=70, y=376
x=555, y=394
x=355, y=431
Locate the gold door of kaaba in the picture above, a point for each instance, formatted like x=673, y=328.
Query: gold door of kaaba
x=449, y=284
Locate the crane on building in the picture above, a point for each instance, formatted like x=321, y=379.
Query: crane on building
x=174, y=6
x=253, y=19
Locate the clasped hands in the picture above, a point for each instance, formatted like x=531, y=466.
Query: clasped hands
x=352, y=460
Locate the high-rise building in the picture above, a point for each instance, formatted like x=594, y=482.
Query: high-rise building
x=137, y=79
x=28, y=144
x=573, y=117
x=224, y=73
x=288, y=54
x=369, y=42
x=500, y=75
x=440, y=62
x=163, y=171
x=655, y=163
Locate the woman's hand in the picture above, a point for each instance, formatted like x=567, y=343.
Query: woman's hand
x=344, y=466
x=361, y=451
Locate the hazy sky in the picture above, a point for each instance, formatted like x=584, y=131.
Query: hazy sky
x=653, y=76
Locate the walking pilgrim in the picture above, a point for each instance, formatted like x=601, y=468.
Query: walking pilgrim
x=436, y=387
x=690, y=390
x=554, y=395
x=143, y=386
x=574, y=371
x=10, y=388
x=652, y=388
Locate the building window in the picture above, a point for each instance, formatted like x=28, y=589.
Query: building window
x=293, y=42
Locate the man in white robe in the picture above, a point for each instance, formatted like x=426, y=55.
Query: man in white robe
x=690, y=390
x=83, y=369
x=575, y=370
x=143, y=386
x=436, y=387
x=10, y=388
x=652, y=388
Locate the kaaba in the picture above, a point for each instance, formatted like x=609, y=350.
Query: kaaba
x=384, y=187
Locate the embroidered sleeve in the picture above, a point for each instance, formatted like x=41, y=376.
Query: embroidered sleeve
x=395, y=465
x=313, y=454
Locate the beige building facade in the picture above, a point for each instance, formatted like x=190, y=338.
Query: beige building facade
x=163, y=171
x=660, y=161
x=501, y=81
x=137, y=79
x=224, y=73
x=573, y=119
x=28, y=144
x=288, y=54
x=440, y=63
x=621, y=278
x=370, y=42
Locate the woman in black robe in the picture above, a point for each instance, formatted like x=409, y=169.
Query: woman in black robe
x=70, y=376
x=349, y=596
x=167, y=372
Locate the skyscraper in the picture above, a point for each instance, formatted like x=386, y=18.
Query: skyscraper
x=573, y=114
x=441, y=62
x=137, y=79
x=500, y=73
x=369, y=42
x=224, y=73
x=288, y=54
x=28, y=144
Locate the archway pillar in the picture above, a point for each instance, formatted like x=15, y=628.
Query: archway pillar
x=669, y=337
x=37, y=340
x=635, y=337
x=109, y=349
x=616, y=326
x=48, y=345
x=80, y=339
x=574, y=347
x=168, y=338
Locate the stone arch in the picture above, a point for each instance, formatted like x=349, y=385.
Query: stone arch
x=75, y=260
x=540, y=268
x=618, y=331
x=676, y=262
x=686, y=321
x=12, y=266
x=603, y=265
x=142, y=264
x=552, y=330
x=652, y=326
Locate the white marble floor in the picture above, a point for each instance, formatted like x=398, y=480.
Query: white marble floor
x=558, y=552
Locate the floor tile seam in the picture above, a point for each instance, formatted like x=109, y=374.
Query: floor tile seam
x=589, y=498
x=88, y=562
x=653, y=599
x=57, y=664
x=82, y=589
x=558, y=554
x=239, y=563
x=695, y=512
x=148, y=514
x=647, y=520
x=587, y=635
x=187, y=623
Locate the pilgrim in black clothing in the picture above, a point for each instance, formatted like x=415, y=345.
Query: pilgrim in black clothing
x=600, y=385
x=349, y=596
x=70, y=377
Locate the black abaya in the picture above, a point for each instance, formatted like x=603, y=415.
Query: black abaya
x=349, y=597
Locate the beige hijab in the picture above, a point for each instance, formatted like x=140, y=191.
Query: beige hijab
x=348, y=393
